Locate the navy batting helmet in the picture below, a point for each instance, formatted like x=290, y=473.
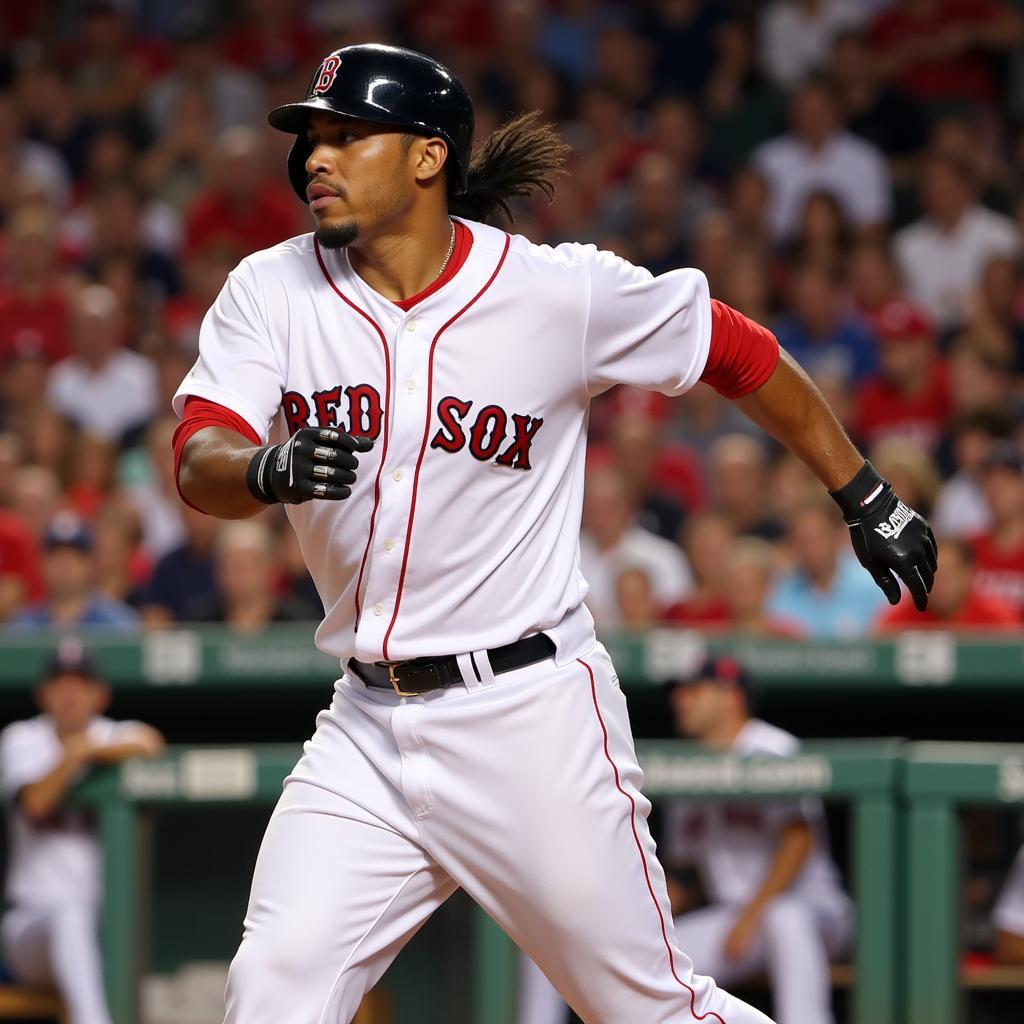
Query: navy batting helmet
x=389, y=85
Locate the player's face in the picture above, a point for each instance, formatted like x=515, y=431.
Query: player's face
x=72, y=701
x=361, y=178
x=698, y=708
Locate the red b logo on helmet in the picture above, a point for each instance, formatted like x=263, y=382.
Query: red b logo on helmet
x=325, y=79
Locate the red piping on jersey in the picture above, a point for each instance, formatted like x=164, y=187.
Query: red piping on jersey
x=426, y=435
x=710, y=1015
x=384, y=429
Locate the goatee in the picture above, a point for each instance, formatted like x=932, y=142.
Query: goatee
x=337, y=236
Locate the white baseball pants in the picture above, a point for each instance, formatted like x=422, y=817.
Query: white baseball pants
x=524, y=791
x=59, y=946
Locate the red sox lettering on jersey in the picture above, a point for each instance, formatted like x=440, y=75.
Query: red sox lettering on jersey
x=493, y=433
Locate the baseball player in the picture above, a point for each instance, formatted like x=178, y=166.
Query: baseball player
x=477, y=737
x=49, y=934
x=1008, y=916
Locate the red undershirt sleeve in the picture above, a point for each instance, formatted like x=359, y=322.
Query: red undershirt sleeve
x=743, y=354
x=197, y=414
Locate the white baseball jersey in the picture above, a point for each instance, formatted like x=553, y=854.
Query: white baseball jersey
x=462, y=531
x=1008, y=913
x=57, y=861
x=733, y=844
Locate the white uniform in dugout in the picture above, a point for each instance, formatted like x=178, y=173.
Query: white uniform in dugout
x=461, y=535
x=1008, y=913
x=50, y=932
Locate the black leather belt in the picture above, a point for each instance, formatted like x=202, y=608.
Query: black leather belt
x=421, y=675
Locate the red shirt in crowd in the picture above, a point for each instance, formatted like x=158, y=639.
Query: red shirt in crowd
x=999, y=574
x=882, y=410
x=269, y=217
x=964, y=76
x=19, y=556
x=978, y=612
x=263, y=51
x=33, y=327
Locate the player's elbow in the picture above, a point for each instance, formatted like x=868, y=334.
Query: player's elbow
x=34, y=805
x=1009, y=947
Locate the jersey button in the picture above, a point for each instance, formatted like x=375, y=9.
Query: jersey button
x=411, y=326
x=378, y=609
x=398, y=474
x=389, y=545
x=411, y=384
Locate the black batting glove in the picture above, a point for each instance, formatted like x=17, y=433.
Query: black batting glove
x=890, y=539
x=315, y=462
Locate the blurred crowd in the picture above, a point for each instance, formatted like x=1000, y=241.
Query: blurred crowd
x=849, y=173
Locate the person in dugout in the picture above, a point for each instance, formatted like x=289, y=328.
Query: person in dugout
x=49, y=934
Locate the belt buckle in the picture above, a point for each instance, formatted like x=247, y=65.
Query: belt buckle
x=395, y=682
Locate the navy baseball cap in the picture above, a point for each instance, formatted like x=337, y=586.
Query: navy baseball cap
x=718, y=668
x=70, y=658
x=67, y=530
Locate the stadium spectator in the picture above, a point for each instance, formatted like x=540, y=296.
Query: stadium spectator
x=89, y=479
x=243, y=209
x=873, y=109
x=997, y=316
x=1008, y=916
x=120, y=564
x=183, y=582
x=686, y=39
x=999, y=553
x=738, y=474
x=31, y=160
x=232, y=96
x=747, y=576
x=701, y=417
x=35, y=498
x=204, y=274
x=953, y=603
x=818, y=154
x=941, y=50
x=909, y=396
x=270, y=37
x=960, y=508
x=775, y=899
x=980, y=378
x=103, y=388
x=245, y=570
x=872, y=276
x=155, y=497
x=69, y=572
x=707, y=538
x=823, y=236
x=747, y=288
x=634, y=601
x=666, y=476
x=50, y=933
x=797, y=35
x=20, y=577
x=33, y=306
x=943, y=255
x=613, y=542
x=820, y=333
x=824, y=593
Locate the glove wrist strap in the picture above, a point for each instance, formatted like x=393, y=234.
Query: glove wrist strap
x=864, y=489
x=257, y=475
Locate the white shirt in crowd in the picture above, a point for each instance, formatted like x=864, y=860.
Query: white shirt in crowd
x=733, y=844
x=796, y=41
x=663, y=562
x=849, y=168
x=109, y=402
x=941, y=269
x=960, y=508
x=1008, y=913
x=57, y=861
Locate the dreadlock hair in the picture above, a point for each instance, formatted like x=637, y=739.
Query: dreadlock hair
x=523, y=156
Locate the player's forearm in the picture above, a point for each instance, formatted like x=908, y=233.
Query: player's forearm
x=40, y=799
x=794, y=849
x=146, y=742
x=1009, y=948
x=212, y=475
x=790, y=408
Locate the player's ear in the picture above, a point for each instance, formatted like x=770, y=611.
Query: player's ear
x=429, y=156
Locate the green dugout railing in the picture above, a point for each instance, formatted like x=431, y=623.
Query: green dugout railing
x=212, y=657
x=939, y=779
x=866, y=774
